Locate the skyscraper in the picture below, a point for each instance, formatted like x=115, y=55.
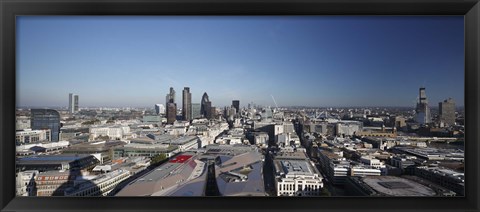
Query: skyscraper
x=46, y=119
x=160, y=109
x=213, y=112
x=236, y=105
x=171, y=113
x=423, y=111
x=447, y=112
x=171, y=107
x=205, y=99
x=196, y=110
x=72, y=103
x=187, y=104
x=208, y=109
x=170, y=97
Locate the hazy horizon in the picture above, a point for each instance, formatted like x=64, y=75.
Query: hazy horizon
x=315, y=61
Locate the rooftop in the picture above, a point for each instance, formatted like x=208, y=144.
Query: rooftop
x=52, y=158
x=396, y=186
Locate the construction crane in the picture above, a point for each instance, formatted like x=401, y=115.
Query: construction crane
x=276, y=106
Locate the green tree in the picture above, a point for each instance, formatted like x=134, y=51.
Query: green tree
x=158, y=158
x=324, y=192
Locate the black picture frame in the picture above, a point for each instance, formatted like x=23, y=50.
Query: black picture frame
x=12, y=8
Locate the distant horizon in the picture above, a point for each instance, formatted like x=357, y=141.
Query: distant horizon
x=316, y=61
x=221, y=107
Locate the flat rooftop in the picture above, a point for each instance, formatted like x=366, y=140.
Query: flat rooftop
x=296, y=167
x=396, y=186
x=65, y=158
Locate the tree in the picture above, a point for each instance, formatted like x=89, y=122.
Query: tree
x=324, y=192
x=158, y=158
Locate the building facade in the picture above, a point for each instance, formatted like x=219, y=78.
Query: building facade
x=236, y=105
x=72, y=103
x=170, y=96
x=196, y=110
x=171, y=113
x=99, y=186
x=159, y=109
x=447, y=112
x=187, y=104
x=42, y=119
x=422, y=111
x=203, y=109
x=32, y=136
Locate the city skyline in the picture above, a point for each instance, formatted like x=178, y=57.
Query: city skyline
x=301, y=61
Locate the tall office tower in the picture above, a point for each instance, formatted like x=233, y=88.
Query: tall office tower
x=236, y=105
x=187, y=104
x=72, y=103
x=196, y=110
x=46, y=119
x=171, y=113
x=170, y=97
x=208, y=109
x=213, y=112
x=205, y=99
x=423, y=111
x=447, y=112
x=160, y=109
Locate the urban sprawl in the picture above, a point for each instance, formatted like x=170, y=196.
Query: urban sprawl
x=197, y=149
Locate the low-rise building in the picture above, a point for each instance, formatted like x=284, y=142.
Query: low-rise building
x=57, y=162
x=27, y=136
x=104, y=148
x=295, y=175
x=145, y=150
x=447, y=178
x=238, y=169
x=113, y=132
x=25, y=182
x=387, y=186
x=100, y=185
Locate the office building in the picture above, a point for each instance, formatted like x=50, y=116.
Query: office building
x=72, y=103
x=63, y=162
x=238, y=169
x=113, y=132
x=43, y=119
x=387, y=186
x=447, y=112
x=207, y=108
x=422, y=111
x=170, y=97
x=101, y=185
x=160, y=109
x=444, y=177
x=25, y=183
x=213, y=113
x=171, y=113
x=236, y=105
x=143, y=150
x=32, y=136
x=295, y=174
x=203, y=109
x=186, y=104
x=196, y=110
x=22, y=122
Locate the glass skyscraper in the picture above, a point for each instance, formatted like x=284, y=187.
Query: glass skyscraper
x=46, y=119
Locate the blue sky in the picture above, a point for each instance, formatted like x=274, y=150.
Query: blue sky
x=308, y=60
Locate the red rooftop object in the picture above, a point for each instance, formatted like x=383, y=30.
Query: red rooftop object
x=180, y=159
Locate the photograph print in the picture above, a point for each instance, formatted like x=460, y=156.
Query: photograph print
x=216, y=106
